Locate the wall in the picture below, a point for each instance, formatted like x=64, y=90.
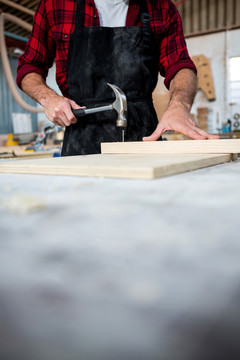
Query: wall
x=7, y=103
x=218, y=48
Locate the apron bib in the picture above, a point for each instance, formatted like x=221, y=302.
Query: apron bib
x=123, y=56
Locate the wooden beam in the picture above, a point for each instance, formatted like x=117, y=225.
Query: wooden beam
x=18, y=7
x=173, y=147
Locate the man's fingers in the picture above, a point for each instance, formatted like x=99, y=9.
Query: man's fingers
x=190, y=130
x=69, y=114
x=63, y=112
x=75, y=106
x=208, y=136
x=194, y=134
x=58, y=110
x=60, y=114
x=58, y=122
x=155, y=135
x=56, y=117
x=212, y=137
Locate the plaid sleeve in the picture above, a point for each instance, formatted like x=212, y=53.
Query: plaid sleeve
x=174, y=55
x=40, y=49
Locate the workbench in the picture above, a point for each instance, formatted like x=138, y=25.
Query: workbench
x=101, y=269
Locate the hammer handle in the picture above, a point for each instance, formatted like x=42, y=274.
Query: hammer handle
x=82, y=112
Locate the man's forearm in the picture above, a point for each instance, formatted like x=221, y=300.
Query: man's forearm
x=35, y=86
x=58, y=109
x=177, y=117
x=183, y=89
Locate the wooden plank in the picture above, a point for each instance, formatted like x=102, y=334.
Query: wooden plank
x=237, y=13
x=195, y=16
x=171, y=147
x=221, y=13
x=181, y=10
x=230, y=13
x=187, y=18
x=133, y=166
x=212, y=15
x=203, y=15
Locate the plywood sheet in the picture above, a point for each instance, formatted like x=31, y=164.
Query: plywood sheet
x=171, y=147
x=133, y=166
x=34, y=155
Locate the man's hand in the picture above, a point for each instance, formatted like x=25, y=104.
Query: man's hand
x=58, y=110
x=179, y=119
x=183, y=88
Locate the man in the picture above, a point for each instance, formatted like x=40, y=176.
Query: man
x=123, y=42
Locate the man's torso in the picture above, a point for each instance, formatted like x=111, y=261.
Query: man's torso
x=62, y=16
x=112, y=13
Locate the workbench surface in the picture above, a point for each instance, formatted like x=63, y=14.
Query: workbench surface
x=100, y=269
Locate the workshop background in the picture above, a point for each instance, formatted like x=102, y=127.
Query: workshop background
x=97, y=268
x=212, y=30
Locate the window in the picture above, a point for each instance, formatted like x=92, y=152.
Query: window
x=235, y=80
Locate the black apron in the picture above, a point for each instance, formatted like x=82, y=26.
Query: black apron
x=123, y=56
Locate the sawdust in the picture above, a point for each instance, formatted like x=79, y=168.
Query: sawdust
x=22, y=204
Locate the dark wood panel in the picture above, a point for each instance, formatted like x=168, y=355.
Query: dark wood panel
x=208, y=15
x=14, y=29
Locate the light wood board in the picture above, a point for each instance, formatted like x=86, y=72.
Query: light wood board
x=133, y=166
x=223, y=146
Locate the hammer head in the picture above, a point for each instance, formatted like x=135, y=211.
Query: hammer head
x=120, y=105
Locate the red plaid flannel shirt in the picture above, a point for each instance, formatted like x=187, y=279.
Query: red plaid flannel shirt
x=54, y=22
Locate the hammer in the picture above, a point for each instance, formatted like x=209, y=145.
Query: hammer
x=120, y=105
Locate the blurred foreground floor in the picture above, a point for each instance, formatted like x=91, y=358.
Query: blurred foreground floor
x=100, y=269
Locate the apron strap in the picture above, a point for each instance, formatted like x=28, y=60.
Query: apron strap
x=80, y=14
x=146, y=21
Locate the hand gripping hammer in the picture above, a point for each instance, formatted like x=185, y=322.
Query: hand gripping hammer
x=120, y=105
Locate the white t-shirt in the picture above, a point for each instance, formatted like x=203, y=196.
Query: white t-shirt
x=112, y=13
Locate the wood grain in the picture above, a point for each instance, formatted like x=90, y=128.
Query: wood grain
x=173, y=147
x=133, y=166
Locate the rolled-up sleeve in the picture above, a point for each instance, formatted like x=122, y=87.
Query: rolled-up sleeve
x=174, y=55
x=40, y=49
